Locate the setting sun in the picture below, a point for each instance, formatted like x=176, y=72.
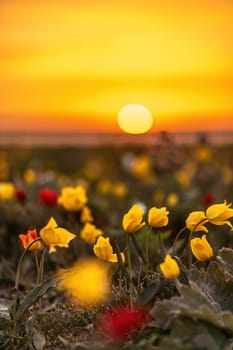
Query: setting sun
x=135, y=119
x=70, y=65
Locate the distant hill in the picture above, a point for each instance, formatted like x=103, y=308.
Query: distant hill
x=104, y=139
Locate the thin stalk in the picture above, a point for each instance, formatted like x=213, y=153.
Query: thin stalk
x=17, y=277
x=37, y=267
x=20, y=263
x=130, y=271
x=147, y=246
x=162, y=248
x=189, y=243
x=41, y=265
x=176, y=239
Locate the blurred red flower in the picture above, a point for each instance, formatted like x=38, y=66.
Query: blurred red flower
x=21, y=195
x=208, y=198
x=48, y=197
x=122, y=321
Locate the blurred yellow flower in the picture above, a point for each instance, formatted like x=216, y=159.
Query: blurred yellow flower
x=196, y=220
x=119, y=190
x=105, y=186
x=201, y=249
x=132, y=220
x=227, y=174
x=183, y=178
x=169, y=267
x=54, y=236
x=7, y=190
x=158, y=217
x=93, y=169
x=204, y=153
x=86, y=215
x=218, y=214
x=89, y=233
x=30, y=176
x=73, y=198
x=104, y=250
x=142, y=168
x=87, y=282
x=172, y=199
x=158, y=196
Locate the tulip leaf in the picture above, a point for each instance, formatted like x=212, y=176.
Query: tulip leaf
x=138, y=248
x=193, y=304
x=187, y=334
x=227, y=317
x=149, y=292
x=215, y=284
x=4, y=341
x=225, y=257
x=39, y=340
x=34, y=295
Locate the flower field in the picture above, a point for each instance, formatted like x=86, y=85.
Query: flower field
x=124, y=247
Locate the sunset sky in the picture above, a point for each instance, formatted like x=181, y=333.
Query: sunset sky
x=71, y=65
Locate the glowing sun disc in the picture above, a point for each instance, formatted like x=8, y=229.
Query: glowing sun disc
x=135, y=119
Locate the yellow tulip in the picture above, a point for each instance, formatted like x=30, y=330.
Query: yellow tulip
x=218, y=214
x=158, y=217
x=132, y=220
x=7, y=190
x=87, y=282
x=30, y=176
x=73, y=198
x=169, y=267
x=89, y=233
x=201, y=249
x=54, y=236
x=86, y=215
x=196, y=220
x=104, y=250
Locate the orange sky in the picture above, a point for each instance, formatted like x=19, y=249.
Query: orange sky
x=72, y=65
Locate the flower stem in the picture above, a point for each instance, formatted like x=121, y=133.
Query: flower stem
x=41, y=266
x=147, y=246
x=162, y=248
x=17, y=277
x=176, y=239
x=37, y=267
x=130, y=271
x=189, y=242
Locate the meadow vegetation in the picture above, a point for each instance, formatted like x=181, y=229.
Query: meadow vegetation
x=122, y=247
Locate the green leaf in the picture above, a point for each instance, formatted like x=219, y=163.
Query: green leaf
x=225, y=257
x=193, y=304
x=138, y=248
x=150, y=292
x=216, y=284
x=34, y=295
x=190, y=335
x=4, y=341
x=39, y=340
x=5, y=323
x=227, y=317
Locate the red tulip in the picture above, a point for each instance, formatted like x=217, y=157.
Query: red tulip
x=21, y=195
x=28, y=238
x=208, y=198
x=48, y=197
